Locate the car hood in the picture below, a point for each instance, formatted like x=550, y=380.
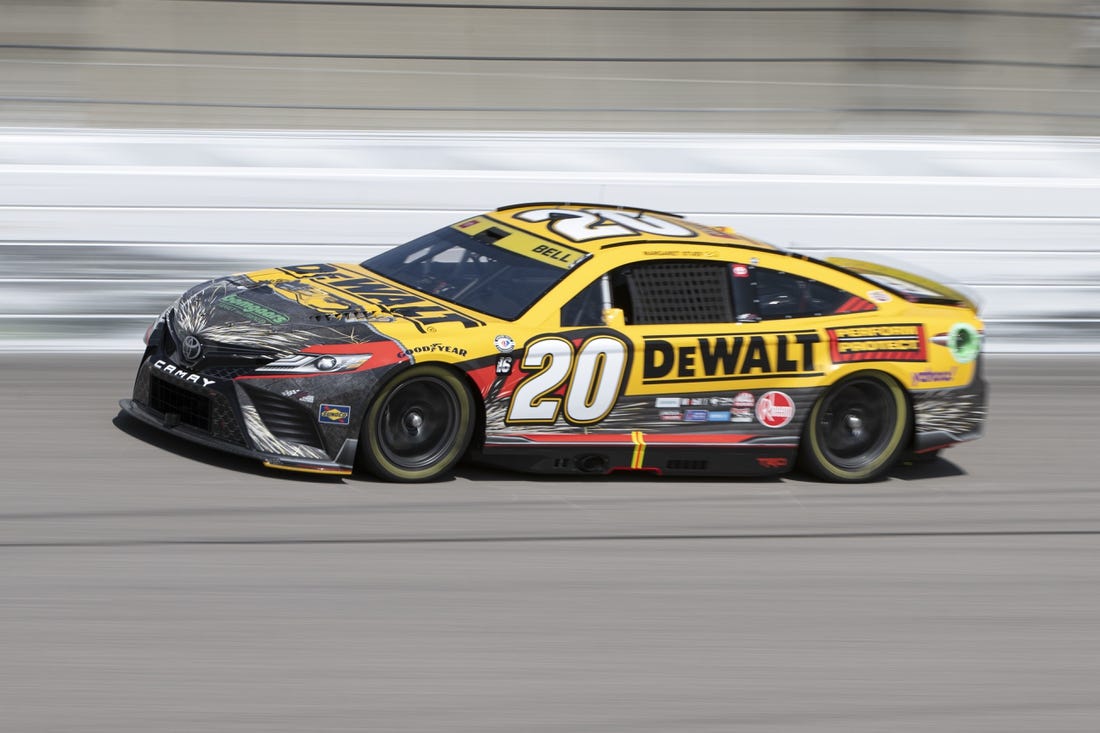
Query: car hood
x=282, y=310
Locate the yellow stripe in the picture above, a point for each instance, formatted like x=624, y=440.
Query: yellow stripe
x=639, y=449
x=302, y=469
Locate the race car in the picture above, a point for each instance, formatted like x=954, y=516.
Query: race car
x=564, y=338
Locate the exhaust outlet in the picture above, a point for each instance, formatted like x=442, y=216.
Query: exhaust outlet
x=592, y=464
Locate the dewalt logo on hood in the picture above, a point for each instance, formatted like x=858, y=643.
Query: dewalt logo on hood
x=335, y=289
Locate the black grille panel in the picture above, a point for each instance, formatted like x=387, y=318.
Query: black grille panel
x=141, y=385
x=681, y=292
x=285, y=419
x=227, y=373
x=224, y=425
x=193, y=409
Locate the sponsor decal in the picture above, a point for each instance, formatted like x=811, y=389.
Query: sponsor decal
x=667, y=402
x=879, y=296
x=396, y=301
x=299, y=394
x=504, y=344
x=742, y=409
x=252, y=311
x=774, y=409
x=504, y=365
x=671, y=415
x=888, y=342
x=772, y=462
x=180, y=373
x=333, y=414
x=965, y=343
x=554, y=253
x=523, y=243
x=721, y=357
x=695, y=415
x=434, y=348
x=740, y=271
x=929, y=375
x=707, y=401
x=718, y=416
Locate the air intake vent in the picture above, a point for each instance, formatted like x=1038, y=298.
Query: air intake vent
x=286, y=420
x=171, y=399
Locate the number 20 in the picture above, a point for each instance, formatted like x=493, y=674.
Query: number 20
x=597, y=370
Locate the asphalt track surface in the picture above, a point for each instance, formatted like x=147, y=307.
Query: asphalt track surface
x=148, y=585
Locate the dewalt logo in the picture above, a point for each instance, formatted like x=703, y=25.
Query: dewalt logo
x=712, y=358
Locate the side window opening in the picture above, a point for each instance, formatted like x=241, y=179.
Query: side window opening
x=783, y=295
x=585, y=309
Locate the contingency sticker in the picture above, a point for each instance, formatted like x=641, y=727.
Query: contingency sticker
x=333, y=414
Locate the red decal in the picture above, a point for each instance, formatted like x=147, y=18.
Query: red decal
x=772, y=462
x=856, y=304
x=885, y=342
x=774, y=409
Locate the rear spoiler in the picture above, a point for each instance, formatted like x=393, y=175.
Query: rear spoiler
x=910, y=286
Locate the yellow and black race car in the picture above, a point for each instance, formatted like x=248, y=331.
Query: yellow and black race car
x=571, y=339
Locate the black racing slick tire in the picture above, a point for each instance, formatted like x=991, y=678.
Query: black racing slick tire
x=418, y=426
x=857, y=430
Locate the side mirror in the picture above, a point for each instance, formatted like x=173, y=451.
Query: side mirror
x=614, y=317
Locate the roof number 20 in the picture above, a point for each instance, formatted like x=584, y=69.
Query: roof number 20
x=583, y=225
x=593, y=374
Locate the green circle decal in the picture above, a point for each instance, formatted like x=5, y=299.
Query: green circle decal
x=965, y=342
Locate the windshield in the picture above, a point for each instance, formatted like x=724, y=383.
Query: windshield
x=470, y=271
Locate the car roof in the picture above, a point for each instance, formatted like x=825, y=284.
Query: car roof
x=599, y=226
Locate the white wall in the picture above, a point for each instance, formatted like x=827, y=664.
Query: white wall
x=100, y=229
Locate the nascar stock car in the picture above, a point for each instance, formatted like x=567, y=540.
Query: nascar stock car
x=571, y=339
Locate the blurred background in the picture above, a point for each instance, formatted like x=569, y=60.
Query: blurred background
x=149, y=144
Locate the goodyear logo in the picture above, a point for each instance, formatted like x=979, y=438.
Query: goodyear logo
x=713, y=358
x=888, y=342
x=334, y=414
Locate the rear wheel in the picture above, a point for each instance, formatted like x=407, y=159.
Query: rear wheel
x=857, y=430
x=418, y=425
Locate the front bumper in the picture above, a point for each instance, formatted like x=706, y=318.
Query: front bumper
x=213, y=409
x=342, y=466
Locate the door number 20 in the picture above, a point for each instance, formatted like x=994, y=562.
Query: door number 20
x=593, y=375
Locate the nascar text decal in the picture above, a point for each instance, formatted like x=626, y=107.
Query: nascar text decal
x=888, y=342
x=709, y=358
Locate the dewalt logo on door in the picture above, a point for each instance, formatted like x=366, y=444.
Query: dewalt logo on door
x=669, y=359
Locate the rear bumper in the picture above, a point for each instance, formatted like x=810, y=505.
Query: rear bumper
x=944, y=417
x=224, y=424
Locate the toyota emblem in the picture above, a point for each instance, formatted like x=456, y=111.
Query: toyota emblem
x=192, y=348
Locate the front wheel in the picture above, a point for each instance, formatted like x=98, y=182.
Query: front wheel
x=418, y=425
x=857, y=430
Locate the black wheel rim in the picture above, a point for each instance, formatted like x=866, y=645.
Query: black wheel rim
x=418, y=425
x=856, y=422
